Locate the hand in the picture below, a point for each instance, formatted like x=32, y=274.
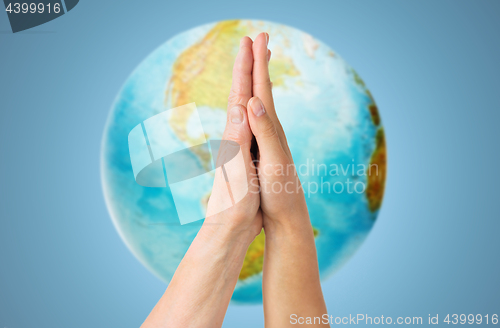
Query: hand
x=290, y=281
x=202, y=285
x=243, y=219
x=204, y=281
x=282, y=198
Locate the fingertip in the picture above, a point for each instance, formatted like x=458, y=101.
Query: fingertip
x=237, y=127
x=260, y=45
x=242, y=109
x=263, y=128
x=236, y=115
x=256, y=106
x=245, y=42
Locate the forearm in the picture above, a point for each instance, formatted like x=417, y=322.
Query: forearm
x=291, y=282
x=202, y=286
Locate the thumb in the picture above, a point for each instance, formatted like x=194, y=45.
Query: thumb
x=264, y=130
x=234, y=158
x=233, y=163
x=237, y=128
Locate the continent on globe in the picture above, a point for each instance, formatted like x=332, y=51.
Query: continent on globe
x=376, y=182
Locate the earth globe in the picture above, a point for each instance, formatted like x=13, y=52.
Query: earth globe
x=338, y=148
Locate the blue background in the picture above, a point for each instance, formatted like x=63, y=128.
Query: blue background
x=433, y=68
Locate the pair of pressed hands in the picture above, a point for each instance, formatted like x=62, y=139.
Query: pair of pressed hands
x=200, y=291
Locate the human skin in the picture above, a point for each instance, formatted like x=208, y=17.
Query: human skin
x=290, y=282
x=202, y=286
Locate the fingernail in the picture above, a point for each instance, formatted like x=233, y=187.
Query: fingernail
x=258, y=107
x=236, y=115
x=267, y=39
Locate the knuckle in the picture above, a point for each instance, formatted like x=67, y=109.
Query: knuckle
x=233, y=135
x=234, y=98
x=266, y=83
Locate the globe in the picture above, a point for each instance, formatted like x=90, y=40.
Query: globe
x=330, y=119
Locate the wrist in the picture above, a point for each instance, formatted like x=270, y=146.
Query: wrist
x=293, y=226
x=224, y=235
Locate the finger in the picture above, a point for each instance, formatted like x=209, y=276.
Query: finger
x=265, y=132
x=261, y=84
x=237, y=127
x=233, y=163
x=241, y=88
